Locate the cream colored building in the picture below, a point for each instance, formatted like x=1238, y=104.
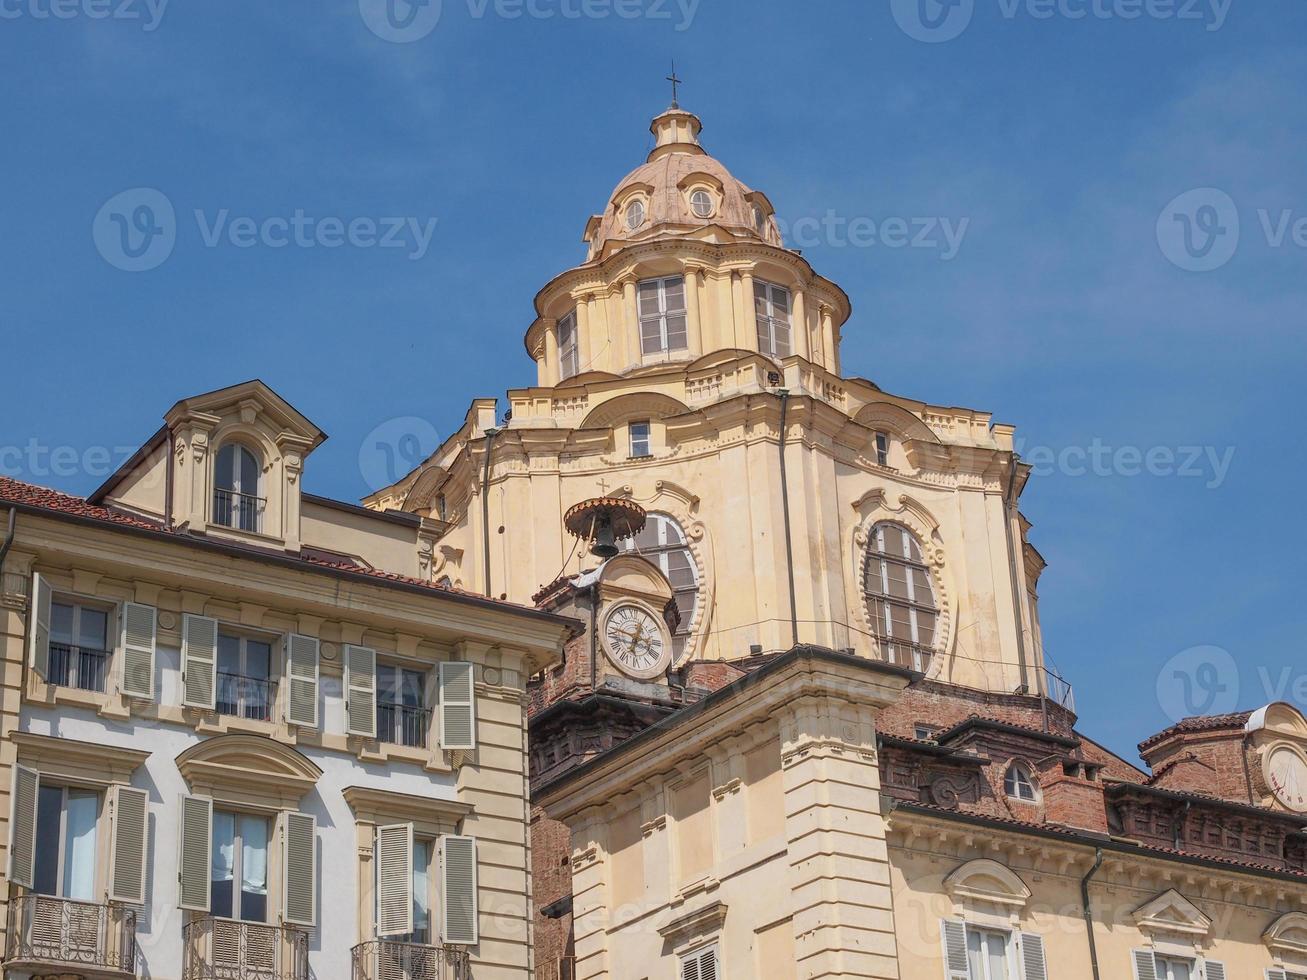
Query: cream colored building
x=810, y=731
x=245, y=736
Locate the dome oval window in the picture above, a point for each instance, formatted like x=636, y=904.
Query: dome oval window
x=634, y=215
x=702, y=203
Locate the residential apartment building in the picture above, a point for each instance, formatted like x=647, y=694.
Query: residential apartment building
x=244, y=733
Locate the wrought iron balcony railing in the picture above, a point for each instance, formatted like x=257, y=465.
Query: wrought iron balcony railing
x=223, y=949
x=381, y=959
x=242, y=511
x=400, y=724
x=245, y=697
x=62, y=936
x=81, y=667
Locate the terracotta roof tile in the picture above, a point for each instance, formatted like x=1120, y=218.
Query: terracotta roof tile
x=1198, y=723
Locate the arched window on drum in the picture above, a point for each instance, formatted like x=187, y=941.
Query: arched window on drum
x=663, y=542
x=900, y=597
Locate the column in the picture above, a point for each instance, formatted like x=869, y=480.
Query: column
x=748, y=338
x=548, y=367
x=692, y=319
x=799, y=325
x=631, y=320
x=585, y=347
x=829, y=360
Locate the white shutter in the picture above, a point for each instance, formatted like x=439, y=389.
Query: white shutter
x=1213, y=970
x=361, y=691
x=199, y=662
x=302, y=680
x=1145, y=965
x=1033, y=965
x=458, y=869
x=131, y=816
x=194, y=845
x=457, y=706
x=700, y=965
x=1276, y=975
x=139, y=637
x=395, y=880
x=300, y=862
x=954, y=935
x=22, y=826
x=38, y=635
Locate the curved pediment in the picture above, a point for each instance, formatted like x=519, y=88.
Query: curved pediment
x=250, y=770
x=1288, y=935
x=1279, y=717
x=644, y=404
x=894, y=419
x=636, y=576
x=987, y=882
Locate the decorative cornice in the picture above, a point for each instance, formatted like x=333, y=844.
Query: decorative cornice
x=94, y=763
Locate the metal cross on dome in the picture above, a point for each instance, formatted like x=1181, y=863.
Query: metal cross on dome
x=675, y=83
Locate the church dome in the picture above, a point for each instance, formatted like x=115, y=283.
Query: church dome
x=680, y=191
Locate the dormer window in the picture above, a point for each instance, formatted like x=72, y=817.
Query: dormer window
x=702, y=203
x=1019, y=784
x=568, y=352
x=662, y=316
x=773, y=312
x=237, y=497
x=635, y=214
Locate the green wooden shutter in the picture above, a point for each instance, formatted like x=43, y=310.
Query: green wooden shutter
x=457, y=706
x=194, y=860
x=954, y=936
x=1033, y=965
x=361, y=691
x=394, y=859
x=22, y=826
x=131, y=814
x=302, y=680
x=139, y=637
x=38, y=636
x=199, y=662
x=458, y=869
x=300, y=863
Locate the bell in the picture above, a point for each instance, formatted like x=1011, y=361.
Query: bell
x=605, y=542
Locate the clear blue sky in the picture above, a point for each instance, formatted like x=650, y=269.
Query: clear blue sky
x=1060, y=140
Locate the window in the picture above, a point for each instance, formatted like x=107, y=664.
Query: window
x=640, y=445
x=245, y=686
x=402, y=718
x=882, y=449
x=65, y=842
x=421, y=934
x=987, y=954
x=924, y=733
x=759, y=220
x=662, y=315
x=569, y=361
x=700, y=965
x=240, y=855
x=663, y=543
x=634, y=215
x=236, y=500
x=900, y=597
x=772, y=304
x=442, y=507
x=79, y=645
x=1019, y=784
x=1172, y=968
x=702, y=203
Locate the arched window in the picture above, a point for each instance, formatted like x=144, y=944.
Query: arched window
x=900, y=597
x=237, y=499
x=1019, y=784
x=663, y=542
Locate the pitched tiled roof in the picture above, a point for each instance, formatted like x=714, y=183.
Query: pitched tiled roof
x=1198, y=723
x=30, y=495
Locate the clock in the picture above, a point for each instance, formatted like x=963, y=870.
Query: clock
x=636, y=640
x=1286, y=773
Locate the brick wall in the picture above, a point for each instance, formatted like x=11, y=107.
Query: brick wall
x=1211, y=763
x=551, y=873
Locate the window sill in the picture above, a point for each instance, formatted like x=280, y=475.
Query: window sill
x=261, y=538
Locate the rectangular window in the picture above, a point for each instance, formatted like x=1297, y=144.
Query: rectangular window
x=662, y=316
x=772, y=305
x=402, y=718
x=987, y=954
x=245, y=685
x=79, y=645
x=569, y=355
x=239, y=882
x=1171, y=968
x=65, y=842
x=640, y=445
x=882, y=449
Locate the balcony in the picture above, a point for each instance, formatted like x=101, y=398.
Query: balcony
x=399, y=724
x=80, y=667
x=55, y=935
x=245, y=697
x=242, y=511
x=223, y=949
x=381, y=959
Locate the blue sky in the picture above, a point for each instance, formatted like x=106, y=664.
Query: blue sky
x=1056, y=143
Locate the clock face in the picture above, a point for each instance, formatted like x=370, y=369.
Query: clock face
x=1286, y=771
x=636, y=641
